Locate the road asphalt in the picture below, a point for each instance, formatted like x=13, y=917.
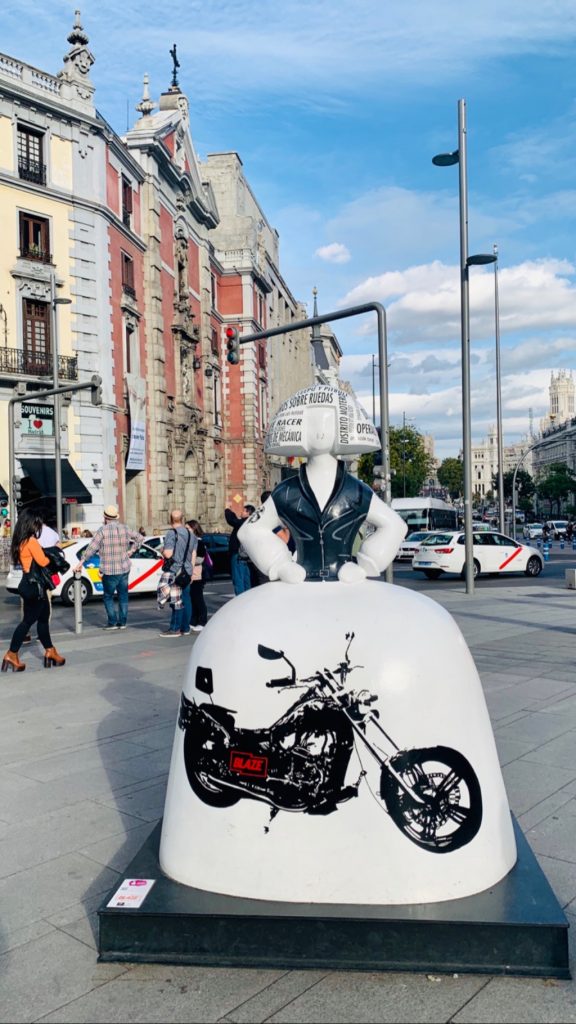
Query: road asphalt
x=85, y=752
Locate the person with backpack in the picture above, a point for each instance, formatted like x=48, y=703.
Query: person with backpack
x=179, y=556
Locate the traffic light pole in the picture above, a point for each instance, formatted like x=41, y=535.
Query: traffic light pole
x=94, y=386
x=343, y=314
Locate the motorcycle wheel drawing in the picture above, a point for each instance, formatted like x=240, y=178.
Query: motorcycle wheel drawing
x=299, y=764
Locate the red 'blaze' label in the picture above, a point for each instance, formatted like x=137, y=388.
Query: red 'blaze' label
x=248, y=764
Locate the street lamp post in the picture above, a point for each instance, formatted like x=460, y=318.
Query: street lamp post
x=516, y=468
x=459, y=156
x=57, y=425
x=500, y=438
x=373, y=391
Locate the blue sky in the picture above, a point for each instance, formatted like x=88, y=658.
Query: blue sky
x=336, y=109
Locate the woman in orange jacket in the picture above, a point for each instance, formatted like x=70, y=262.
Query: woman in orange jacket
x=25, y=550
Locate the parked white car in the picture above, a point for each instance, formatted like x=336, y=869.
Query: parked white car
x=493, y=553
x=557, y=528
x=532, y=531
x=145, y=570
x=410, y=544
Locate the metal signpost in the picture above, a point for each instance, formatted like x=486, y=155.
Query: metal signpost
x=95, y=385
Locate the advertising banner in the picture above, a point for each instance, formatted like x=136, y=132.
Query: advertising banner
x=137, y=402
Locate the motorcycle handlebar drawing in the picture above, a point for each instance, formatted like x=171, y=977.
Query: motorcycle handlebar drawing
x=300, y=763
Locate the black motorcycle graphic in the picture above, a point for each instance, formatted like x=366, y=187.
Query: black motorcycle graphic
x=300, y=763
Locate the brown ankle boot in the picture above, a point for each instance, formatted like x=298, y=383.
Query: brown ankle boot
x=11, y=660
x=51, y=657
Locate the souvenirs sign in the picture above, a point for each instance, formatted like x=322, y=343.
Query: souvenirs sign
x=37, y=420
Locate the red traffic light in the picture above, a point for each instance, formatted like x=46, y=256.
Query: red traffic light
x=232, y=344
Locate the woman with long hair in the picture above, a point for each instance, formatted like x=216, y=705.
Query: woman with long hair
x=25, y=550
x=199, y=616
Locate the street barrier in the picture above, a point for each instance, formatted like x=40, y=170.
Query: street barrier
x=546, y=551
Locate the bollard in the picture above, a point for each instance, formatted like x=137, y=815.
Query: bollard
x=561, y=543
x=574, y=543
x=78, y=603
x=546, y=551
x=538, y=542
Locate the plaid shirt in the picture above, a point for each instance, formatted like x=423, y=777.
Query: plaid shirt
x=115, y=543
x=168, y=591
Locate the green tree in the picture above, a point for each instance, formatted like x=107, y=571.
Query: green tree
x=451, y=476
x=557, y=484
x=366, y=467
x=525, y=487
x=410, y=464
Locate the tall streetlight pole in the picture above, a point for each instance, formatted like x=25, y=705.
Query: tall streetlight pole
x=459, y=156
x=516, y=468
x=55, y=302
x=500, y=439
x=373, y=391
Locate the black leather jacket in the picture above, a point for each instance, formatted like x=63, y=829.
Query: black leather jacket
x=323, y=537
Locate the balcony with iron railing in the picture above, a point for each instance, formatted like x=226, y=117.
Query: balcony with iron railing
x=31, y=170
x=33, y=252
x=18, y=362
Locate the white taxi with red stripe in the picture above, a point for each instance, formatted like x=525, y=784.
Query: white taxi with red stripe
x=145, y=571
x=444, y=551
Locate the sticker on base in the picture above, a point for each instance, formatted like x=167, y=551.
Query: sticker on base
x=132, y=893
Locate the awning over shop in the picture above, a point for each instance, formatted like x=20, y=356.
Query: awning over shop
x=43, y=476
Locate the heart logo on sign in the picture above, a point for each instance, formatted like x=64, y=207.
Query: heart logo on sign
x=38, y=424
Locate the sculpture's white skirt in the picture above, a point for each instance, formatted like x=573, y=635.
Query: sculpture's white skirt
x=273, y=814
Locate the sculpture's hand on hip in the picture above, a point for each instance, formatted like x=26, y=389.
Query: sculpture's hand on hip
x=290, y=572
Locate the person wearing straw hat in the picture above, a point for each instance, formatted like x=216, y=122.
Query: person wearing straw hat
x=115, y=543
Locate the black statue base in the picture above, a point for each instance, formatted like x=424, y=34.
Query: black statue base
x=516, y=927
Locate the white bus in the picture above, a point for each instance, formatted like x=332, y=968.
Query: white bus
x=426, y=514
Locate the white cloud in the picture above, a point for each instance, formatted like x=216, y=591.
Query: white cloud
x=333, y=253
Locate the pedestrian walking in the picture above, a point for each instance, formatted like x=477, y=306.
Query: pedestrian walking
x=26, y=551
x=179, y=555
x=115, y=543
x=199, y=613
x=239, y=561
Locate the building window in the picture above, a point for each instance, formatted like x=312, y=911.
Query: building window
x=214, y=342
x=34, y=238
x=214, y=291
x=262, y=356
x=37, y=348
x=30, y=154
x=128, y=275
x=126, y=202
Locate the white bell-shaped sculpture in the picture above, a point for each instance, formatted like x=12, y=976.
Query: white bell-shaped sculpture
x=333, y=743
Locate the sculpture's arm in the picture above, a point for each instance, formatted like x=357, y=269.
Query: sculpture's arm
x=268, y=551
x=379, y=549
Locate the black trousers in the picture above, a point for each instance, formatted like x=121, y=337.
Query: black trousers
x=199, y=615
x=34, y=611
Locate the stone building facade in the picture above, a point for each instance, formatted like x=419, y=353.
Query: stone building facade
x=158, y=254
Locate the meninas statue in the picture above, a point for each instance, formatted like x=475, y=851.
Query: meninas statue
x=333, y=743
x=323, y=506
